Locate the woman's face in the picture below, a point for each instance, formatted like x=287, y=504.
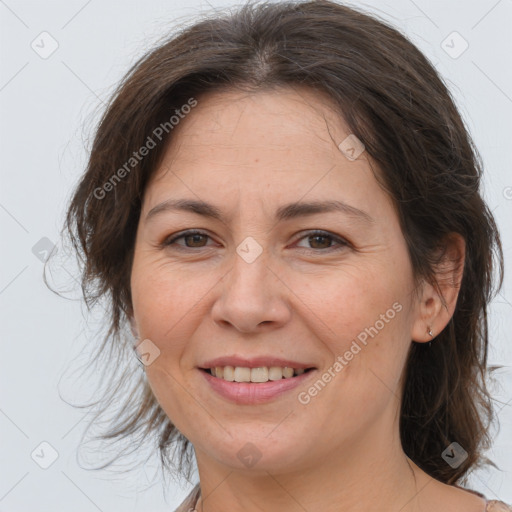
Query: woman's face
x=259, y=288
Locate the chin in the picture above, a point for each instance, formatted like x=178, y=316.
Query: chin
x=253, y=453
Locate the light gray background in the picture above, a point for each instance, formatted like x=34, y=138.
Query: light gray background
x=48, y=108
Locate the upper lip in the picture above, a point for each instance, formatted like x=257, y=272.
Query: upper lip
x=254, y=362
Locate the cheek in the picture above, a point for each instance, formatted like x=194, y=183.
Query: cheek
x=176, y=398
x=353, y=299
x=167, y=309
x=367, y=318
x=166, y=298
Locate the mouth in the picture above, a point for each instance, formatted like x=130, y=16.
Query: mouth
x=257, y=375
x=254, y=381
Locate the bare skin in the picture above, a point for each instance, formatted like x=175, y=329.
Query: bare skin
x=303, y=298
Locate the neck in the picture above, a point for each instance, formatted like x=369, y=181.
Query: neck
x=357, y=476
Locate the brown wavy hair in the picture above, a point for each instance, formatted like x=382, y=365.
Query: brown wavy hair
x=394, y=101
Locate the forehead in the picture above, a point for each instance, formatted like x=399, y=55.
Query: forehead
x=270, y=122
x=279, y=144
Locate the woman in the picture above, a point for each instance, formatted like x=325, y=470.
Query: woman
x=283, y=204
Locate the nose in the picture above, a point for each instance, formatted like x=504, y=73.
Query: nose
x=252, y=297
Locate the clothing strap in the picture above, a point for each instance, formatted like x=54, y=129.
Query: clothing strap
x=190, y=503
x=497, y=506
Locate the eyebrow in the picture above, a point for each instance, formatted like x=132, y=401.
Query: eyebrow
x=285, y=212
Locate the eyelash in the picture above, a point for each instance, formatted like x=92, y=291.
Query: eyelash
x=342, y=242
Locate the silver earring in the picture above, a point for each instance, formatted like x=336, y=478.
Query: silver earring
x=429, y=332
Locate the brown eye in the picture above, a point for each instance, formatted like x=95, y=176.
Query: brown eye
x=322, y=241
x=193, y=239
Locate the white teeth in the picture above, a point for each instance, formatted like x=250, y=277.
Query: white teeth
x=275, y=373
x=260, y=374
x=229, y=373
x=242, y=374
x=287, y=372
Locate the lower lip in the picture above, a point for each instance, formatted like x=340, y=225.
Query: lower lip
x=249, y=393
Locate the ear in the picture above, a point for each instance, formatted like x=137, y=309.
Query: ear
x=436, y=304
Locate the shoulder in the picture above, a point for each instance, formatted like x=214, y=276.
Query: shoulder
x=454, y=498
x=492, y=505
x=497, y=506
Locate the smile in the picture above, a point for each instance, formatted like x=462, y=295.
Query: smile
x=253, y=385
x=255, y=375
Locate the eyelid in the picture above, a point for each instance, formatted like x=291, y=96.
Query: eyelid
x=340, y=241
x=182, y=234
